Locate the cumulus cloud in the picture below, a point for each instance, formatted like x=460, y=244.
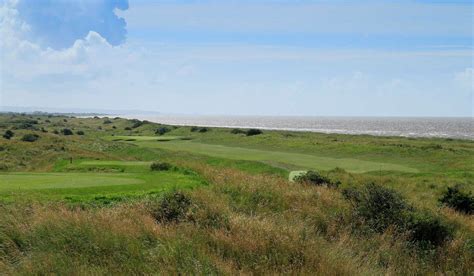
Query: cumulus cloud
x=59, y=23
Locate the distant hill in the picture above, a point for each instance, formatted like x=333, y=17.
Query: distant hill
x=36, y=109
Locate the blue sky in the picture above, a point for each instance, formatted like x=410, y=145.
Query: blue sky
x=281, y=57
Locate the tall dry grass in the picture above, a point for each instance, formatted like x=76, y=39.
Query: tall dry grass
x=240, y=223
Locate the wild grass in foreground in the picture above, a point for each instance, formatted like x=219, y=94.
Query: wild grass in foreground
x=241, y=224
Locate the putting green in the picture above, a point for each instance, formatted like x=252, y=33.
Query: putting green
x=88, y=186
x=302, y=161
x=32, y=181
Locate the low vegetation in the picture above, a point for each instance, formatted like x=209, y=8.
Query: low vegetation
x=220, y=203
x=160, y=166
x=459, y=200
x=30, y=137
x=8, y=134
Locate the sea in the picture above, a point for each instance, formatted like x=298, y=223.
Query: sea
x=458, y=128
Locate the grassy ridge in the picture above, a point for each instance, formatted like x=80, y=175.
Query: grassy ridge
x=296, y=160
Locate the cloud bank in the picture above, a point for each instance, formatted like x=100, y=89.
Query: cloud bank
x=59, y=23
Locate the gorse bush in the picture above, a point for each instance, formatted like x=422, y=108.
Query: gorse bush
x=428, y=230
x=253, y=132
x=203, y=129
x=160, y=166
x=173, y=207
x=238, y=131
x=378, y=206
x=137, y=123
x=458, y=200
x=8, y=134
x=199, y=129
x=30, y=137
x=315, y=178
x=67, y=131
x=80, y=132
x=107, y=121
x=162, y=130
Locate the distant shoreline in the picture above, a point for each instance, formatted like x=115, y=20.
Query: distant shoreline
x=447, y=128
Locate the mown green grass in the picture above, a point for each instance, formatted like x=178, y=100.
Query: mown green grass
x=146, y=138
x=297, y=160
x=86, y=185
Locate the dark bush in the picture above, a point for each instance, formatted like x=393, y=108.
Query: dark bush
x=114, y=127
x=378, y=206
x=238, y=131
x=107, y=121
x=458, y=200
x=313, y=177
x=67, y=131
x=162, y=130
x=26, y=124
x=203, y=129
x=30, y=137
x=80, y=132
x=173, y=207
x=194, y=129
x=65, y=120
x=428, y=230
x=137, y=123
x=160, y=166
x=253, y=131
x=128, y=128
x=8, y=134
x=55, y=131
x=47, y=121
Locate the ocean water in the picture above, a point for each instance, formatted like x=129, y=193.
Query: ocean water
x=462, y=128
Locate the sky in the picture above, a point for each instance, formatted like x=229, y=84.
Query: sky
x=247, y=57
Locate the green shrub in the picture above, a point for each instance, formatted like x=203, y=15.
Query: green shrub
x=203, y=129
x=194, y=129
x=8, y=134
x=80, y=132
x=162, y=130
x=173, y=207
x=379, y=207
x=107, y=121
x=30, y=137
x=238, y=131
x=67, y=131
x=128, y=128
x=428, y=230
x=137, y=123
x=160, y=166
x=315, y=178
x=253, y=132
x=458, y=200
